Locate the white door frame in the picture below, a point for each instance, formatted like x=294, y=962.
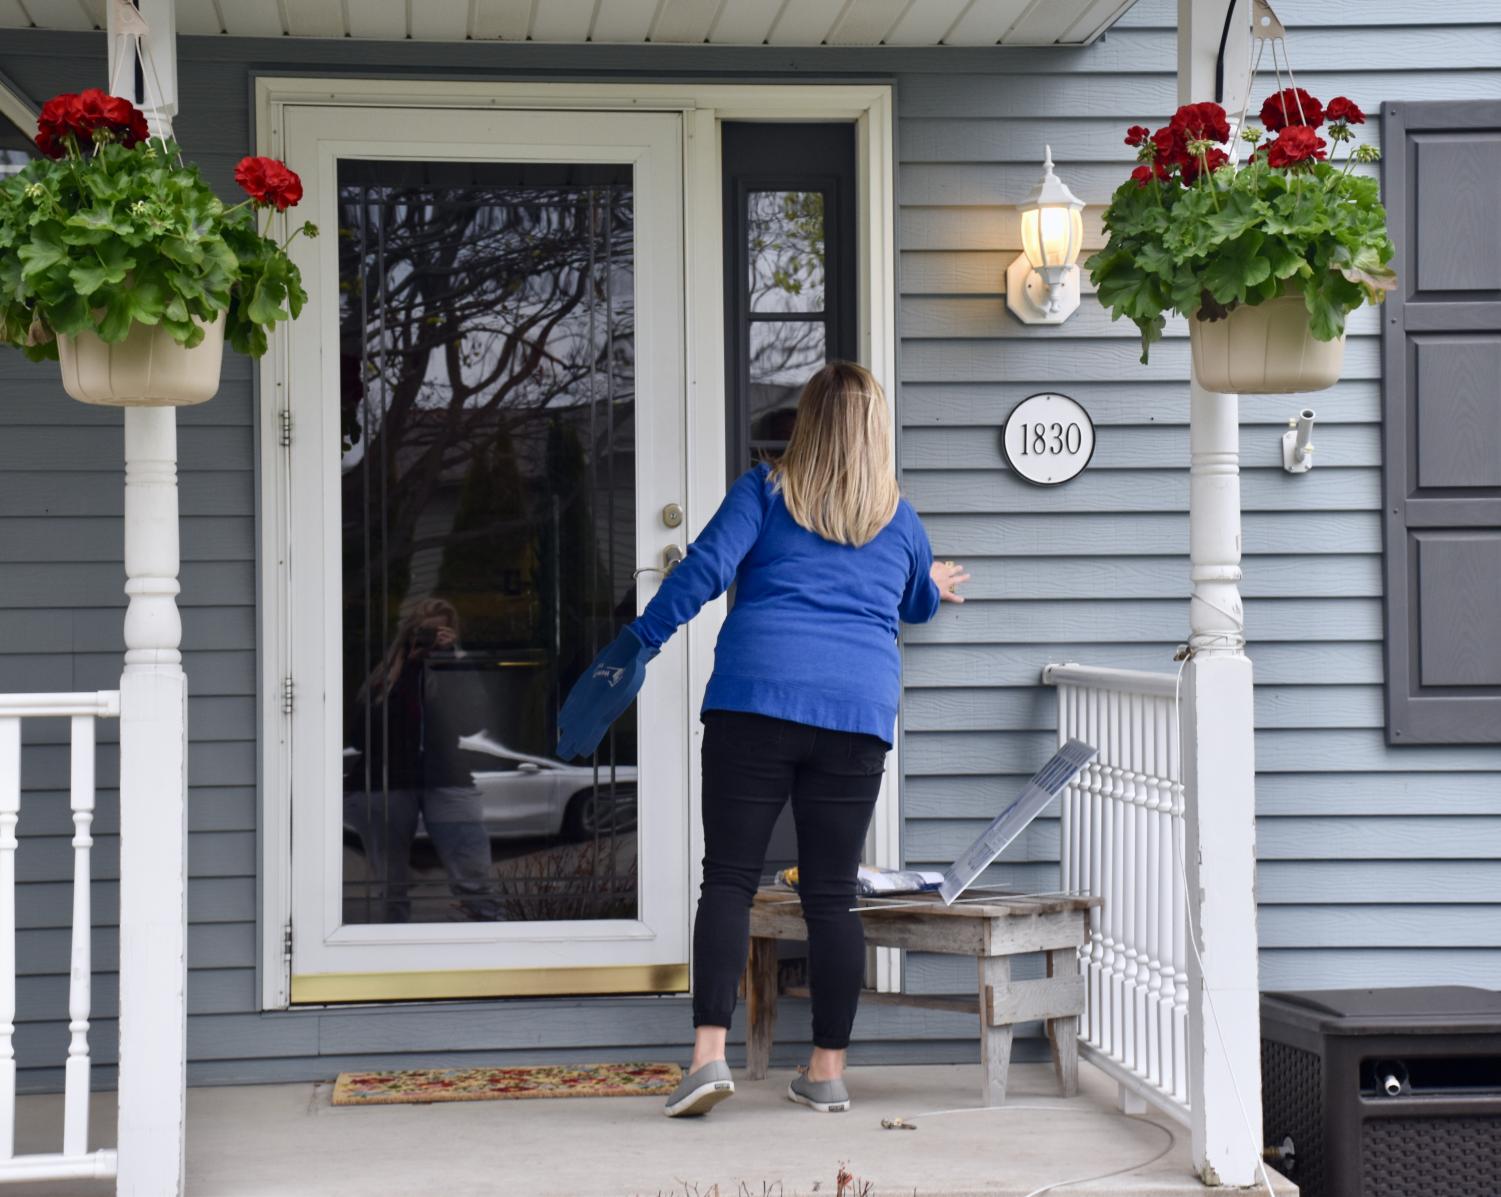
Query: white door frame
x=703, y=106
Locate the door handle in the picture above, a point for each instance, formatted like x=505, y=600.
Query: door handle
x=671, y=555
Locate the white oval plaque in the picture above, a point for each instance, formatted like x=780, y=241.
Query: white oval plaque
x=1048, y=439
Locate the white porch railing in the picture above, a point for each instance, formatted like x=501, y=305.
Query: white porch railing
x=74, y=1161
x=1123, y=839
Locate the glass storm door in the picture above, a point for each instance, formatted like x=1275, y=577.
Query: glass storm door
x=487, y=422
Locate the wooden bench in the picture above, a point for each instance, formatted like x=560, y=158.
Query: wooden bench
x=992, y=931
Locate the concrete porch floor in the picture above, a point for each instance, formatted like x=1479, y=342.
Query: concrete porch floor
x=287, y=1140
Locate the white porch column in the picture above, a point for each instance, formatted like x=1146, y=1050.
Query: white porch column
x=1219, y=769
x=153, y=747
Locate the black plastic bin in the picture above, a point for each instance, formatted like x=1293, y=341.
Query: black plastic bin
x=1384, y=1092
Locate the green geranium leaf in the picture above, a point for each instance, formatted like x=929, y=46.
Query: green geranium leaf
x=116, y=321
x=106, y=264
x=40, y=254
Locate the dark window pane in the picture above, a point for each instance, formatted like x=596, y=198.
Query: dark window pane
x=488, y=508
x=783, y=353
x=785, y=243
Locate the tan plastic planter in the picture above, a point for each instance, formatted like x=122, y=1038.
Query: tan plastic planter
x=1265, y=350
x=147, y=369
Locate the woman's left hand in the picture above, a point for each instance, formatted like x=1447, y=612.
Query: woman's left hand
x=946, y=576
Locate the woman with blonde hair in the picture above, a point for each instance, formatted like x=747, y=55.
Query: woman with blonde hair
x=826, y=557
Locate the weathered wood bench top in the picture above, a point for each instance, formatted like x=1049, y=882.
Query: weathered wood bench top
x=1001, y=924
x=995, y=903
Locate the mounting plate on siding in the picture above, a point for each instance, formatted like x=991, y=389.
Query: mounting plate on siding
x=1048, y=439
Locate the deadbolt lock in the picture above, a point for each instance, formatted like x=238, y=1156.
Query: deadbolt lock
x=672, y=515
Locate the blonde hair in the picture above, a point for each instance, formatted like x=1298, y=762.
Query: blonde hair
x=838, y=476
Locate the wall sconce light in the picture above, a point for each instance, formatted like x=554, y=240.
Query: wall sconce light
x=1042, y=284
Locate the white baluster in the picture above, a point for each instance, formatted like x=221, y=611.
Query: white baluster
x=1142, y=876
x=1180, y=933
x=1107, y=879
x=1131, y=880
x=1088, y=864
x=1117, y=881
x=10, y=811
x=1097, y=866
x=1067, y=860
x=76, y=1072
x=1153, y=767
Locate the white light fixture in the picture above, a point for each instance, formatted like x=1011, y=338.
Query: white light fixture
x=1042, y=284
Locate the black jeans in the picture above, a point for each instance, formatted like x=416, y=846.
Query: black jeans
x=752, y=764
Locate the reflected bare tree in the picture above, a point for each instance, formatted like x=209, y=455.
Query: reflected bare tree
x=474, y=319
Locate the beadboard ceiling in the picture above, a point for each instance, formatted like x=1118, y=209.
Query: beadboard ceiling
x=624, y=22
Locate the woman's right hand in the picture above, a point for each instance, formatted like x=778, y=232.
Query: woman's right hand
x=946, y=576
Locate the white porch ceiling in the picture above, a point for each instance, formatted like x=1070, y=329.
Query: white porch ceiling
x=624, y=22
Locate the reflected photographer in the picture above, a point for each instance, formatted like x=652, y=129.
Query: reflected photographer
x=406, y=765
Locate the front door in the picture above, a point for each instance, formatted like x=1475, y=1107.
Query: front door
x=486, y=426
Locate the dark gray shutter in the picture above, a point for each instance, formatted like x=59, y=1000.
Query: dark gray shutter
x=1441, y=366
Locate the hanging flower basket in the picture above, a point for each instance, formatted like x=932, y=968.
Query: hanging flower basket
x=1263, y=350
x=117, y=259
x=147, y=369
x=1265, y=259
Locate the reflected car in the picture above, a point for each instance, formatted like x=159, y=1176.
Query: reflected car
x=523, y=796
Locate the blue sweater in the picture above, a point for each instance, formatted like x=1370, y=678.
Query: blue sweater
x=812, y=633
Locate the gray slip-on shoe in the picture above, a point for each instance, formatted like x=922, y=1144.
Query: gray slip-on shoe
x=701, y=1091
x=827, y=1097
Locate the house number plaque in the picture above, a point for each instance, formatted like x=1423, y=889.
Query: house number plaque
x=1048, y=439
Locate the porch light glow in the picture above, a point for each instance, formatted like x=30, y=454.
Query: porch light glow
x=1042, y=284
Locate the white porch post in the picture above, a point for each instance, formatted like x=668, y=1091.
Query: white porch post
x=1219, y=770
x=153, y=744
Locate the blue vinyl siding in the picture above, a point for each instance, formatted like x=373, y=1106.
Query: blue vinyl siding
x=1378, y=865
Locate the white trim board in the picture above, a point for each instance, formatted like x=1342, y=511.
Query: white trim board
x=869, y=106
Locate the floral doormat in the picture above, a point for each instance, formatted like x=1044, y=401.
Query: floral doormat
x=423, y=1085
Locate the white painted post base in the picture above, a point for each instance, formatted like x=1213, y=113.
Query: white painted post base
x=153, y=821
x=1224, y=1025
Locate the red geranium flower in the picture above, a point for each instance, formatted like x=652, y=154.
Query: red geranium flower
x=269, y=182
x=1137, y=134
x=77, y=116
x=1172, y=149
x=1202, y=122
x=1291, y=106
x=1294, y=144
x=57, y=122
x=1142, y=175
x=1342, y=109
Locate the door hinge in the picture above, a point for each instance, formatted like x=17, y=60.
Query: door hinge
x=287, y=695
x=286, y=941
x=285, y=416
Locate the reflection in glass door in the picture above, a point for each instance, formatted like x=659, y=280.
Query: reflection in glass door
x=789, y=236
x=487, y=498
x=488, y=405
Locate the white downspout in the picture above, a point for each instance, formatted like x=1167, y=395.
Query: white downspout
x=153, y=729
x=1219, y=767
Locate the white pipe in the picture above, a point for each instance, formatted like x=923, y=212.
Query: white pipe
x=1297, y=443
